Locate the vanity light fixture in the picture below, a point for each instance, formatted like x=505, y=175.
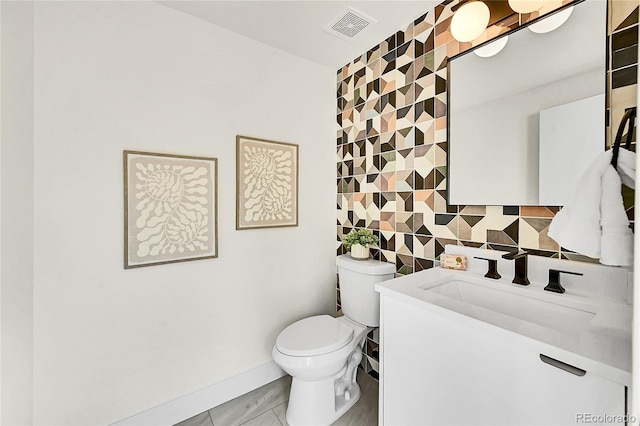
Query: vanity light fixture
x=470, y=20
x=526, y=6
x=552, y=22
x=492, y=48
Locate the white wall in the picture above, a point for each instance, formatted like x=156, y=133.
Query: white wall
x=16, y=214
x=634, y=393
x=109, y=76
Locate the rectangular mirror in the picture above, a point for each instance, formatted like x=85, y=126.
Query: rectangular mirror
x=524, y=124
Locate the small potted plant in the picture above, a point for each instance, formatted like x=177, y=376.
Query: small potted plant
x=358, y=242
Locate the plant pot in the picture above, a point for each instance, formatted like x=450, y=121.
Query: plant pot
x=360, y=252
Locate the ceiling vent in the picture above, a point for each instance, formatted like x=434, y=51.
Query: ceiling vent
x=349, y=24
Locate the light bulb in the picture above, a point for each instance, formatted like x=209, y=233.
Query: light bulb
x=492, y=48
x=526, y=6
x=470, y=21
x=552, y=22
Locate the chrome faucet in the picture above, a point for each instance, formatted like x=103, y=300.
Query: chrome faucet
x=521, y=263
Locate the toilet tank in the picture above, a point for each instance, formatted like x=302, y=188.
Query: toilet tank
x=360, y=302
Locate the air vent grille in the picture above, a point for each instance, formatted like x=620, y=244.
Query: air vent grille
x=349, y=24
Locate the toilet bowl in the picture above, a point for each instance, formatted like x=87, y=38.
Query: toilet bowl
x=322, y=353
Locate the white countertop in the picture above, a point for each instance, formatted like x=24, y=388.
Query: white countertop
x=602, y=347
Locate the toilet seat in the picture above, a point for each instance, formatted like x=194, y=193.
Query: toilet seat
x=315, y=335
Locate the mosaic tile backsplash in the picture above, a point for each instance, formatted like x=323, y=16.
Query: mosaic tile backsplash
x=392, y=146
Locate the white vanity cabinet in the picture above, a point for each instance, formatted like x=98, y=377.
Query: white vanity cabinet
x=439, y=367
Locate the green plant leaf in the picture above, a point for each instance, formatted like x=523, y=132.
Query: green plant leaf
x=363, y=237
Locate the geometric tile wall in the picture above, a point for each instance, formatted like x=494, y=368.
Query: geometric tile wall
x=392, y=149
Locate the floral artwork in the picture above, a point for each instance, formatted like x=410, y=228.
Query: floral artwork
x=266, y=183
x=170, y=208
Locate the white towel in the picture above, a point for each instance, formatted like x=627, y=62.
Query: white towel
x=594, y=222
x=627, y=167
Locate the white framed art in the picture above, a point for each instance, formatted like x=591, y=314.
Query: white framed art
x=266, y=183
x=170, y=208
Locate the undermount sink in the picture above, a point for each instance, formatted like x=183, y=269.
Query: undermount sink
x=547, y=310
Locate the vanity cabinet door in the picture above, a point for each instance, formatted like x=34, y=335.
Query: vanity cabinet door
x=440, y=368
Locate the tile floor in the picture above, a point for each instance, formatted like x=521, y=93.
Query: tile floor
x=266, y=406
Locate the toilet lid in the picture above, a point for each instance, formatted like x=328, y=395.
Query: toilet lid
x=314, y=336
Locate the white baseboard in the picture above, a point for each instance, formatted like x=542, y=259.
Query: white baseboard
x=187, y=406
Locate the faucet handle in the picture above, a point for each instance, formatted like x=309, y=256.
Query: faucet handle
x=554, y=280
x=493, y=268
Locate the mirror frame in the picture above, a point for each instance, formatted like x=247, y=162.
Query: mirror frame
x=508, y=33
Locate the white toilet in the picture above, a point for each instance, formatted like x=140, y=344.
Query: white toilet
x=322, y=353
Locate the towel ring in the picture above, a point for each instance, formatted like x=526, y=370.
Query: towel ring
x=629, y=116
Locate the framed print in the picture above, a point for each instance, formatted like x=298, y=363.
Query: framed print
x=170, y=208
x=266, y=183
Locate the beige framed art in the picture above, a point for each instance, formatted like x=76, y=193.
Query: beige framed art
x=170, y=208
x=266, y=183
